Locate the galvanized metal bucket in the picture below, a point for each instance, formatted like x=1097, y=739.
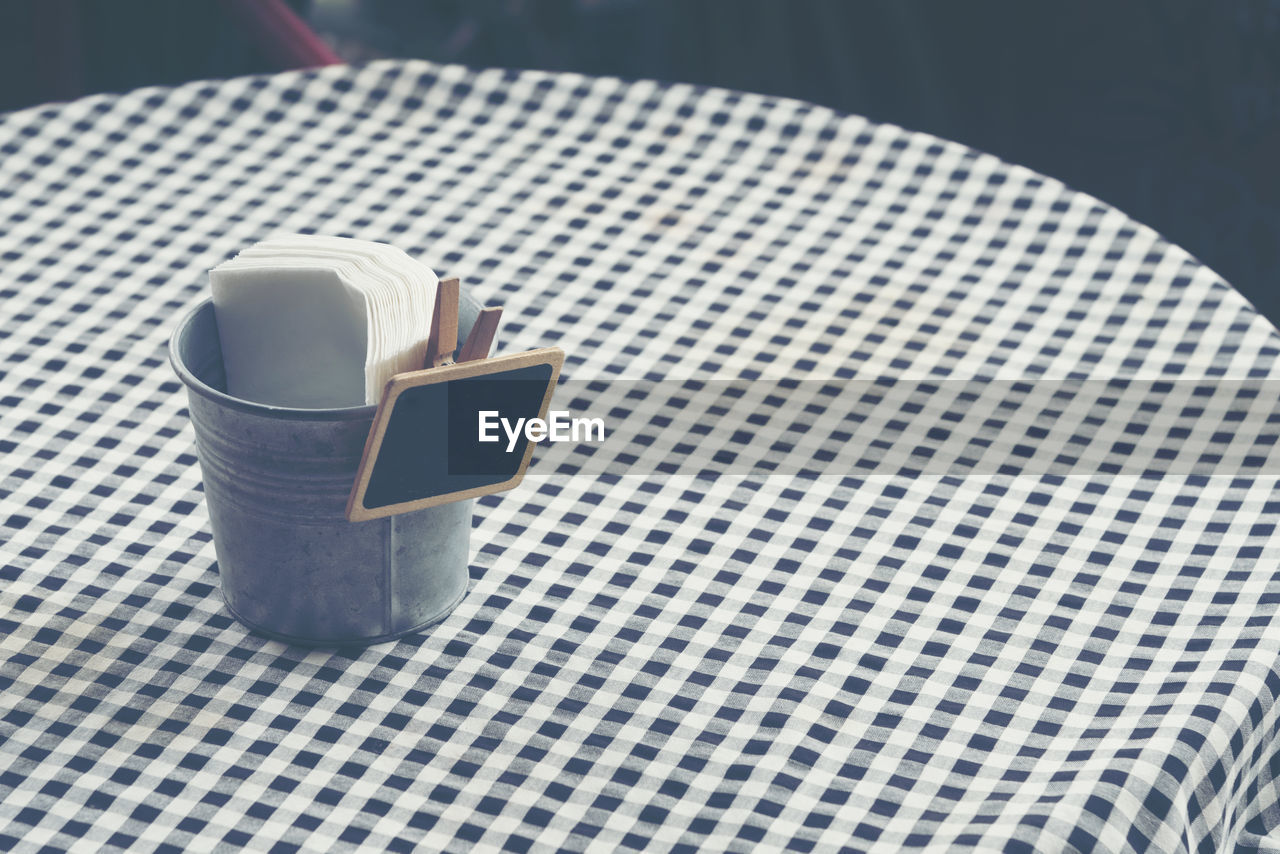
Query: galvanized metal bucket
x=276, y=482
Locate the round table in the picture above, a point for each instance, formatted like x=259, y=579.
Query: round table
x=971, y=652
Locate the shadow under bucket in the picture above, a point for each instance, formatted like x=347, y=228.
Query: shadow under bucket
x=276, y=482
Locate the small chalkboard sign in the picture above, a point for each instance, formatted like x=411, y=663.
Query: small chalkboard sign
x=425, y=447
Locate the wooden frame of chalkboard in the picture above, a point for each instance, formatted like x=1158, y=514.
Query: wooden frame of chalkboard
x=406, y=457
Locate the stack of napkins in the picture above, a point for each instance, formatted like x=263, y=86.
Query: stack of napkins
x=320, y=322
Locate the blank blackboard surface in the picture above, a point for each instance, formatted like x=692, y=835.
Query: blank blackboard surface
x=424, y=447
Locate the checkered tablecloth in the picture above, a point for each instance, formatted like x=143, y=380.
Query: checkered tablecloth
x=962, y=656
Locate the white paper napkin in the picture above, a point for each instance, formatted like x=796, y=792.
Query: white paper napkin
x=320, y=322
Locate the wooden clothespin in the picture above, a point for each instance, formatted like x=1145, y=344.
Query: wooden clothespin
x=481, y=337
x=443, y=339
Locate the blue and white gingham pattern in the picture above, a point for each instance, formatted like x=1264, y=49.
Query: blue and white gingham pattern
x=998, y=661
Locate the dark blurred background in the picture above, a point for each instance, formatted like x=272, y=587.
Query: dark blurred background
x=1167, y=109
